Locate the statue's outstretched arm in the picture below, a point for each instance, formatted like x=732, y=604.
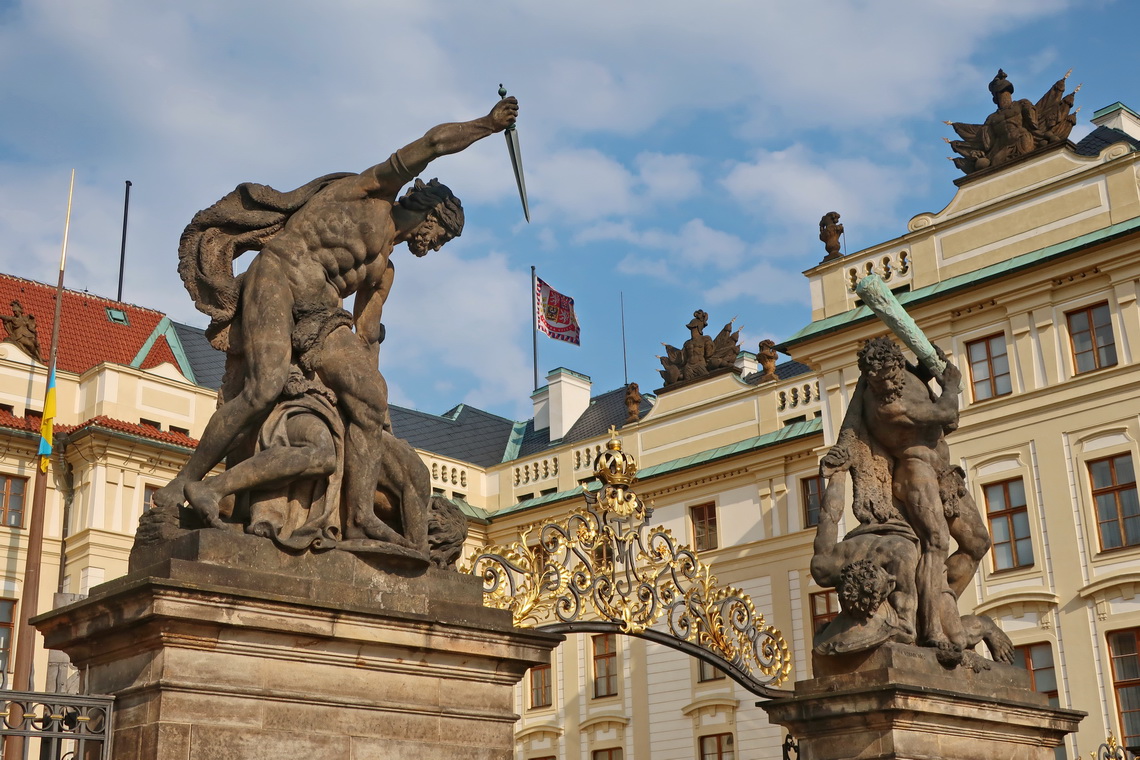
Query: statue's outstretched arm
x=406, y=163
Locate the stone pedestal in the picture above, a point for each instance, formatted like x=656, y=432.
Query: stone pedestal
x=898, y=703
x=228, y=648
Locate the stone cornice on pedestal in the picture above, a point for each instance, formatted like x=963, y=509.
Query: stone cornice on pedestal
x=898, y=703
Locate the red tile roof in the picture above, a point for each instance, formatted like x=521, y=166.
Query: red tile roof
x=87, y=336
x=32, y=424
x=160, y=352
x=134, y=428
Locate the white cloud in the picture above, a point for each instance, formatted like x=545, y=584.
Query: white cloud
x=668, y=178
x=797, y=186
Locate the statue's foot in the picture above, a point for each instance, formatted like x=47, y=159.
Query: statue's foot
x=949, y=655
x=170, y=496
x=205, y=503
x=370, y=526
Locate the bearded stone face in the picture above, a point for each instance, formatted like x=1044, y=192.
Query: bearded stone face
x=428, y=236
x=888, y=381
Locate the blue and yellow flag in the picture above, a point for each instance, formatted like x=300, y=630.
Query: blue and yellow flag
x=48, y=420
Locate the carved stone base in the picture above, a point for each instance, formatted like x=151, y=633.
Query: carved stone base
x=229, y=648
x=898, y=703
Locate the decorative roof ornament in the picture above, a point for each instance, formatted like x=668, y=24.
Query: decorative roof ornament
x=700, y=355
x=1016, y=128
x=603, y=569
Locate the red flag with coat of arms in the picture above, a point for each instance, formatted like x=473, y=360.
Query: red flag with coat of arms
x=555, y=313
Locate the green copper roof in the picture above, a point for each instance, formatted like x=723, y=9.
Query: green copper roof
x=787, y=433
x=970, y=279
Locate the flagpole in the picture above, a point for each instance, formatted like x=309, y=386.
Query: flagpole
x=29, y=602
x=534, y=320
x=624, y=362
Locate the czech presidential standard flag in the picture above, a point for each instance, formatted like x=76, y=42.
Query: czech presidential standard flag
x=46, y=424
x=555, y=313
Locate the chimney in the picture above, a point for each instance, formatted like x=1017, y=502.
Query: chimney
x=1120, y=117
x=541, y=399
x=559, y=405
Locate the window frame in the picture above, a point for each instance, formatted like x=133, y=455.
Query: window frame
x=607, y=753
x=805, y=498
x=1007, y=514
x=992, y=378
x=1117, y=686
x=819, y=621
x=1087, y=311
x=718, y=752
x=703, y=520
x=604, y=684
x=7, y=480
x=709, y=673
x=1115, y=489
x=6, y=651
x=1023, y=653
x=545, y=688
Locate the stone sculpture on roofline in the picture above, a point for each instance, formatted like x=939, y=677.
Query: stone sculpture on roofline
x=303, y=424
x=1016, y=128
x=700, y=355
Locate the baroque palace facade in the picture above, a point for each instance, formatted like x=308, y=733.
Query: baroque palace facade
x=1028, y=279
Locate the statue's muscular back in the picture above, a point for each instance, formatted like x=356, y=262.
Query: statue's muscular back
x=339, y=240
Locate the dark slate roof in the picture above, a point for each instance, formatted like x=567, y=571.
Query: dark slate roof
x=464, y=433
x=1100, y=138
x=784, y=371
x=207, y=362
x=604, y=410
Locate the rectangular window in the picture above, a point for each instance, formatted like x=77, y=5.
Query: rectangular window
x=12, y=492
x=7, y=626
x=1009, y=524
x=540, y=692
x=1122, y=646
x=811, y=489
x=1117, y=506
x=704, y=527
x=148, y=497
x=717, y=747
x=150, y=423
x=989, y=367
x=1090, y=332
x=613, y=753
x=824, y=608
x=605, y=665
x=1038, y=660
x=706, y=672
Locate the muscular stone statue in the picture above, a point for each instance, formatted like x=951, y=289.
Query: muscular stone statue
x=21, y=329
x=1016, y=128
x=893, y=442
x=873, y=572
x=700, y=354
x=323, y=242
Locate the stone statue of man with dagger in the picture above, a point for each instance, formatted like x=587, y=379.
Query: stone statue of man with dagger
x=318, y=244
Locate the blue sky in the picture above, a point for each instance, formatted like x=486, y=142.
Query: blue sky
x=679, y=153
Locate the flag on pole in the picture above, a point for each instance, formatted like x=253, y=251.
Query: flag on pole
x=555, y=313
x=46, y=423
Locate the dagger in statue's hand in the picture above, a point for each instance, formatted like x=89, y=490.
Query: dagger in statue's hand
x=512, y=136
